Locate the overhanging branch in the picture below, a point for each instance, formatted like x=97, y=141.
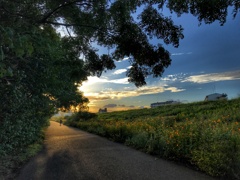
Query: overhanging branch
x=78, y=2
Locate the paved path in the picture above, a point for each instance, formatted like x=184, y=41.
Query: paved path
x=72, y=154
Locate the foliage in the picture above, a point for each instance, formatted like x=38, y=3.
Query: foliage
x=106, y=23
x=204, y=134
x=76, y=117
x=83, y=116
x=11, y=163
x=39, y=72
x=38, y=83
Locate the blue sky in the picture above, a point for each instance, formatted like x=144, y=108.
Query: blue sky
x=207, y=61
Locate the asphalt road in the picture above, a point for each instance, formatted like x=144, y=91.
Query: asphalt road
x=73, y=154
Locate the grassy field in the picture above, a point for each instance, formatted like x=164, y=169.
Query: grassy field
x=205, y=135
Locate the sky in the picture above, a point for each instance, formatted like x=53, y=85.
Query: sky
x=207, y=61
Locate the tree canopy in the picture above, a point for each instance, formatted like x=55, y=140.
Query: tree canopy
x=41, y=70
x=110, y=24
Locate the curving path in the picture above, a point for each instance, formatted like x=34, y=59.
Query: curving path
x=73, y=154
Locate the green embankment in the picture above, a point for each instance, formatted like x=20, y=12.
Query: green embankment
x=205, y=135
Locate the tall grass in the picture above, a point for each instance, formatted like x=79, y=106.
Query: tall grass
x=205, y=134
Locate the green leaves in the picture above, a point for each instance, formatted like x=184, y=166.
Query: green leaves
x=3, y=71
x=109, y=24
x=1, y=54
x=207, y=11
x=19, y=43
x=156, y=25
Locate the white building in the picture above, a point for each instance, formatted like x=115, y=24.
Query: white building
x=215, y=97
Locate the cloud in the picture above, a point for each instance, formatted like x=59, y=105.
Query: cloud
x=179, y=54
x=127, y=88
x=174, y=77
x=126, y=58
x=112, y=94
x=169, y=78
x=174, y=89
x=213, y=77
x=93, y=80
x=119, y=81
x=121, y=105
x=120, y=71
x=110, y=106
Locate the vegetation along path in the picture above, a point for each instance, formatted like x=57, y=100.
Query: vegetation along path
x=74, y=154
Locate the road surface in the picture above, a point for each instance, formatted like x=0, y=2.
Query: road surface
x=72, y=154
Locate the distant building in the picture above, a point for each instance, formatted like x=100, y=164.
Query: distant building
x=215, y=97
x=102, y=110
x=157, y=104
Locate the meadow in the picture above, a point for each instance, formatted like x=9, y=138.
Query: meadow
x=203, y=135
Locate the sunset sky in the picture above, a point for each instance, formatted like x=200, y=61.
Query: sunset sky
x=207, y=61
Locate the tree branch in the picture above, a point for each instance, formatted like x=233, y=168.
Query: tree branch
x=44, y=19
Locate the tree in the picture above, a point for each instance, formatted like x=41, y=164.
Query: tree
x=110, y=24
x=40, y=70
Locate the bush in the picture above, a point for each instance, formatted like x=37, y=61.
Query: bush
x=22, y=119
x=81, y=116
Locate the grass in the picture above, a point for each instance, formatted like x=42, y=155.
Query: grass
x=205, y=135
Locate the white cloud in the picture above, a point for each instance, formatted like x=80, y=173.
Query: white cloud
x=126, y=58
x=94, y=83
x=179, y=54
x=120, y=71
x=110, y=105
x=154, y=89
x=127, y=88
x=213, y=77
x=119, y=81
x=169, y=78
x=174, y=89
x=108, y=89
x=112, y=94
x=94, y=80
x=174, y=77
